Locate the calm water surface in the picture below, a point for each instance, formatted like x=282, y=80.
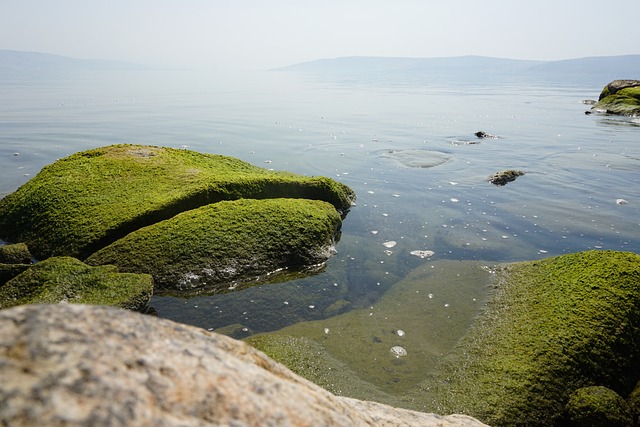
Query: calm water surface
x=408, y=150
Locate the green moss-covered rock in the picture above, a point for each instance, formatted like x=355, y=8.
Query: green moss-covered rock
x=552, y=327
x=88, y=200
x=227, y=243
x=504, y=177
x=68, y=280
x=634, y=404
x=598, y=406
x=15, y=254
x=9, y=271
x=620, y=97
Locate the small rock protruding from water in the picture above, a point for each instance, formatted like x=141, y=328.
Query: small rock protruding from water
x=505, y=176
x=481, y=134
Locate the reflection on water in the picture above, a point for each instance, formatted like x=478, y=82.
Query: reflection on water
x=399, y=146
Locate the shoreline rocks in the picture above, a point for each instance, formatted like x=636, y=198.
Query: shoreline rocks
x=69, y=281
x=620, y=97
x=251, y=221
x=120, y=368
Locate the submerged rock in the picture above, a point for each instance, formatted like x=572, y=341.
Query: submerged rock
x=505, y=176
x=119, y=368
x=68, y=280
x=620, y=97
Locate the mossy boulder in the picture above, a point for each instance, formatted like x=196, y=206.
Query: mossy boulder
x=15, y=254
x=88, y=200
x=69, y=280
x=9, y=271
x=552, y=327
x=504, y=177
x=598, y=406
x=227, y=244
x=620, y=97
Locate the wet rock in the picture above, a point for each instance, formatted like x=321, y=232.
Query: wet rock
x=88, y=200
x=598, y=406
x=481, y=134
x=95, y=204
x=620, y=97
x=119, y=368
x=68, y=280
x=552, y=327
x=15, y=254
x=505, y=176
x=9, y=271
x=228, y=245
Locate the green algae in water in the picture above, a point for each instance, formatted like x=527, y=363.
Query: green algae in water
x=350, y=354
x=552, y=326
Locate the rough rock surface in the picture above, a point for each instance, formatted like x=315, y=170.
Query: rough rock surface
x=82, y=203
x=620, y=97
x=228, y=245
x=99, y=366
x=68, y=280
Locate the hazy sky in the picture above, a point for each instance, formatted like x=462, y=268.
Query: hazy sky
x=272, y=33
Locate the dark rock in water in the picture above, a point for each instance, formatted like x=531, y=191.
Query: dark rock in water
x=505, y=176
x=481, y=134
x=78, y=365
x=620, y=97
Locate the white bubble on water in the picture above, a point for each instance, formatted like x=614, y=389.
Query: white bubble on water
x=400, y=332
x=390, y=244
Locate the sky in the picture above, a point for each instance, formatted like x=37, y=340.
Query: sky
x=264, y=34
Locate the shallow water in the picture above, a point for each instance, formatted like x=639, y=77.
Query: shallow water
x=408, y=150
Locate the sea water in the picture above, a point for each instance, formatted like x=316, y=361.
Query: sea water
x=408, y=150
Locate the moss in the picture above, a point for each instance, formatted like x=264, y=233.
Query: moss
x=552, y=327
x=15, y=254
x=68, y=280
x=86, y=201
x=598, y=406
x=433, y=305
x=9, y=271
x=505, y=176
x=625, y=101
x=634, y=403
x=227, y=243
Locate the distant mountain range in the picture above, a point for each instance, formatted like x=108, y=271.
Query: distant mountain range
x=474, y=67
x=601, y=69
x=20, y=62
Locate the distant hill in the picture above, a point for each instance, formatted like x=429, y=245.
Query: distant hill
x=19, y=62
x=474, y=68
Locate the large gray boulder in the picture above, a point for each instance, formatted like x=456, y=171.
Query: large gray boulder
x=100, y=366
